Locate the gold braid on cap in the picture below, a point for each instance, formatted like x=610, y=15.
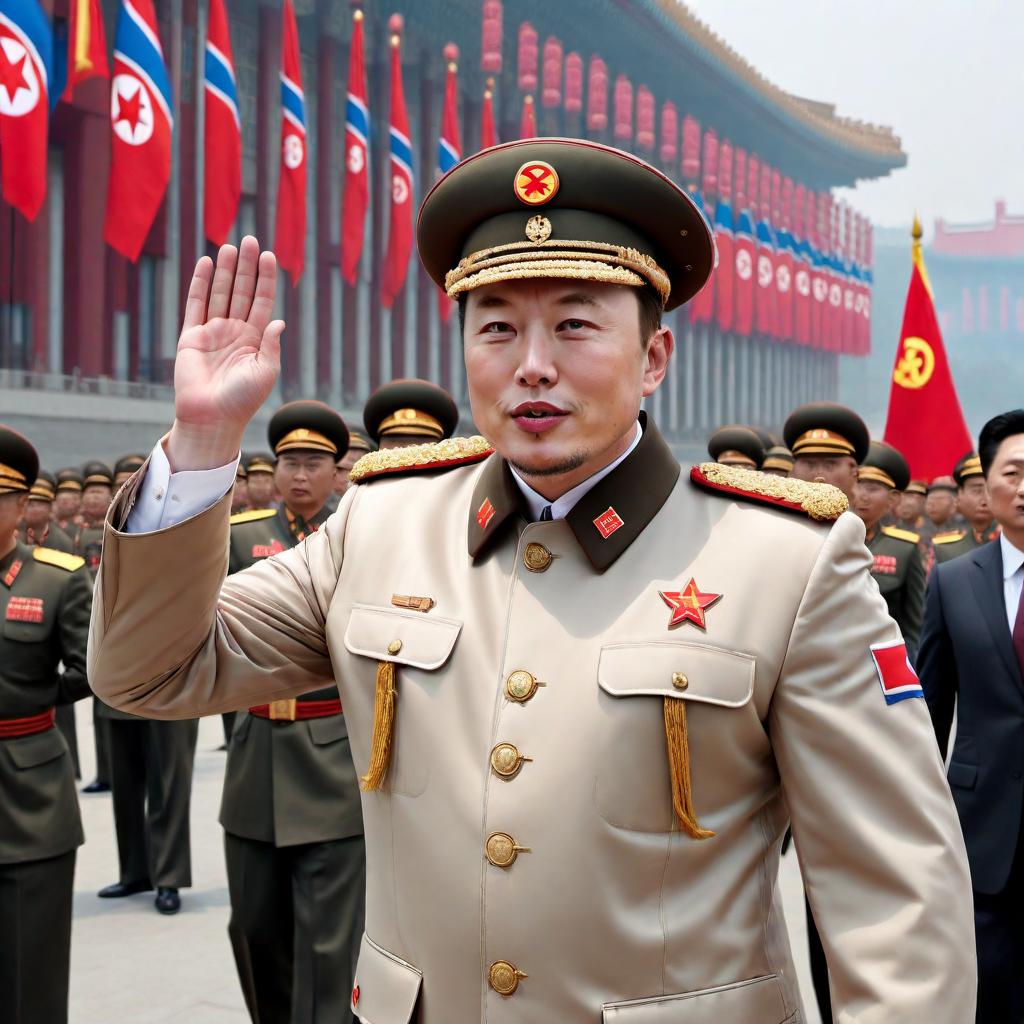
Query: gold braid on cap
x=559, y=258
x=971, y=467
x=302, y=437
x=412, y=421
x=876, y=475
x=42, y=490
x=11, y=480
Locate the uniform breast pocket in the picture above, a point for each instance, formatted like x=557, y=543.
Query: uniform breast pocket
x=413, y=649
x=26, y=632
x=633, y=789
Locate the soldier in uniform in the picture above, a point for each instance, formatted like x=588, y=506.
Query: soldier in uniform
x=585, y=691
x=38, y=527
x=972, y=502
x=259, y=473
x=828, y=442
x=293, y=830
x=44, y=608
x=736, y=445
x=68, y=501
x=940, y=507
x=910, y=508
x=358, y=446
x=405, y=412
x=778, y=461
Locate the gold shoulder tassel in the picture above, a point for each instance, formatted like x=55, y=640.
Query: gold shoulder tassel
x=679, y=768
x=383, y=727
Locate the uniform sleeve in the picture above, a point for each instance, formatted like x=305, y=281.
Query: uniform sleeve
x=936, y=664
x=874, y=824
x=913, y=601
x=170, y=639
x=73, y=636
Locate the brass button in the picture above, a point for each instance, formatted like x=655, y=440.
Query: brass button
x=504, y=977
x=506, y=760
x=679, y=681
x=502, y=849
x=520, y=686
x=537, y=558
x=394, y=647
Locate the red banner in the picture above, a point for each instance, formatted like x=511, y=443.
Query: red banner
x=290, y=231
x=400, y=233
x=355, y=195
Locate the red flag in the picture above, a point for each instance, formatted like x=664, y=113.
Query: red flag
x=142, y=122
x=745, y=259
x=925, y=421
x=355, y=197
x=488, y=134
x=724, y=227
x=396, y=259
x=782, y=191
x=819, y=283
x=867, y=279
x=449, y=148
x=290, y=232
x=87, y=44
x=764, y=300
x=849, y=280
x=528, y=122
x=801, y=270
x=222, y=174
x=702, y=305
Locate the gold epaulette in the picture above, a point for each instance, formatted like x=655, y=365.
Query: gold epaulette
x=252, y=515
x=821, y=502
x=455, y=451
x=61, y=559
x=948, y=538
x=895, y=531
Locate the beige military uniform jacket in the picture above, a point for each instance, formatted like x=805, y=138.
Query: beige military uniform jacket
x=596, y=906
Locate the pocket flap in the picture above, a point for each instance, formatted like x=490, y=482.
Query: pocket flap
x=386, y=987
x=962, y=775
x=31, y=751
x=745, y=1002
x=327, y=730
x=677, y=669
x=406, y=638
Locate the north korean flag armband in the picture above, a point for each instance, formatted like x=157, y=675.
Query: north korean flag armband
x=896, y=675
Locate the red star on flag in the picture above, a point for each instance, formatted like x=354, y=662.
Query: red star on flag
x=129, y=109
x=688, y=604
x=12, y=75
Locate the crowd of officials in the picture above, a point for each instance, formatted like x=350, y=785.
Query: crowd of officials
x=290, y=807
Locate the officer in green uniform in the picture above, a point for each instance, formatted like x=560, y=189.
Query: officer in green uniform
x=45, y=601
x=909, y=512
x=828, y=442
x=972, y=502
x=37, y=527
x=736, y=445
x=291, y=812
x=68, y=502
x=778, y=461
x=259, y=475
x=410, y=411
x=940, y=508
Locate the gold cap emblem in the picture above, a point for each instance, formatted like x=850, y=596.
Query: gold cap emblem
x=538, y=229
x=536, y=183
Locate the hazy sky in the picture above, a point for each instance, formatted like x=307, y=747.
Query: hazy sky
x=946, y=75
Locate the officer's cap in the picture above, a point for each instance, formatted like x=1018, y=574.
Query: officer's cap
x=259, y=462
x=916, y=487
x=411, y=407
x=885, y=465
x=97, y=473
x=69, y=479
x=307, y=426
x=825, y=428
x=128, y=464
x=968, y=465
x=778, y=457
x=563, y=208
x=19, y=463
x=943, y=483
x=359, y=442
x=44, y=488
x=736, y=445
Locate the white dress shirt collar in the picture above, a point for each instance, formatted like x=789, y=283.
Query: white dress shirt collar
x=1013, y=558
x=563, y=505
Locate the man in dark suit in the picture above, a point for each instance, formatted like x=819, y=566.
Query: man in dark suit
x=972, y=658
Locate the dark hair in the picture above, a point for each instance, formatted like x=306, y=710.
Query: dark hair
x=995, y=432
x=647, y=299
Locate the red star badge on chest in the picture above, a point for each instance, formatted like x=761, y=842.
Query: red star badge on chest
x=689, y=604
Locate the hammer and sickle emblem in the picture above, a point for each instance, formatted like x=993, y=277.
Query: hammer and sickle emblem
x=916, y=364
x=536, y=183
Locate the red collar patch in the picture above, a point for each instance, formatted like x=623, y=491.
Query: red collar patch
x=12, y=573
x=608, y=522
x=484, y=514
x=25, y=609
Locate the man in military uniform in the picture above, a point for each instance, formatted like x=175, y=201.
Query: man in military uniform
x=828, y=442
x=778, y=461
x=585, y=692
x=358, y=446
x=259, y=474
x=405, y=412
x=909, y=512
x=972, y=502
x=736, y=445
x=940, y=508
x=44, y=608
x=68, y=501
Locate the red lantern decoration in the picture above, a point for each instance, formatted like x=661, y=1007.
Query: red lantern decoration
x=691, y=149
x=669, y=148
x=491, y=35
x=644, y=119
x=527, y=57
x=573, y=83
x=709, y=184
x=623, y=104
x=741, y=178
x=597, y=96
x=551, y=92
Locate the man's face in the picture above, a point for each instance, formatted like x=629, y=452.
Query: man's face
x=1005, y=483
x=305, y=480
x=344, y=467
x=910, y=507
x=12, y=509
x=66, y=505
x=261, y=489
x=556, y=372
x=872, y=501
x=972, y=500
x=838, y=470
x=96, y=500
x=37, y=513
x=239, y=494
x=939, y=505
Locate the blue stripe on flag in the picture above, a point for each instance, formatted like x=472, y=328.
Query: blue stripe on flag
x=401, y=150
x=133, y=42
x=291, y=100
x=220, y=78
x=764, y=234
x=357, y=119
x=895, y=698
x=723, y=216
x=25, y=18
x=447, y=157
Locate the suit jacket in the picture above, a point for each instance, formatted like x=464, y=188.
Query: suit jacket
x=612, y=911
x=45, y=598
x=967, y=660
x=287, y=782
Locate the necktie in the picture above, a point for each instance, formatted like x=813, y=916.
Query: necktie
x=545, y=517
x=1018, y=632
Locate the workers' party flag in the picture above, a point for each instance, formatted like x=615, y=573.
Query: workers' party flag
x=396, y=259
x=355, y=198
x=87, y=44
x=449, y=153
x=141, y=123
x=223, y=162
x=290, y=233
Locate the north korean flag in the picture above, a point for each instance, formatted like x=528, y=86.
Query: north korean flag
x=835, y=301
x=783, y=283
x=724, y=291
x=850, y=285
x=764, y=301
x=399, y=249
x=449, y=153
x=26, y=74
x=819, y=299
x=896, y=675
x=702, y=305
x=222, y=175
x=356, y=192
x=290, y=230
x=744, y=261
x=802, y=291
x=141, y=122
x=865, y=319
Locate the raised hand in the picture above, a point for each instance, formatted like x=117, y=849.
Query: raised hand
x=229, y=355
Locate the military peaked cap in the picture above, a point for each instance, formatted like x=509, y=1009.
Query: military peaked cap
x=44, y=488
x=411, y=407
x=825, y=428
x=19, y=463
x=969, y=465
x=259, y=462
x=97, y=473
x=307, y=426
x=69, y=479
x=885, y=465
x=128, y=464
x=736, y=445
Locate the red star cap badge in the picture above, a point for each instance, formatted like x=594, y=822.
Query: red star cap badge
x=689, y=604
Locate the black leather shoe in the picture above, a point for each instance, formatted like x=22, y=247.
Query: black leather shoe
x=97, y=786
x=167, y=901
x=119, y=889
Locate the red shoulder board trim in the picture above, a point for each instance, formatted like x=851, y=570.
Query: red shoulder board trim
x=821, y=502
x=456, y=451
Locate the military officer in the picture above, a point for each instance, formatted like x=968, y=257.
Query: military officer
x=38, y=527
x=910, y=507
x=259, y=474
x=972, y=502
x=293, y=829
x=407, y=412
x=585, y=691
x=940, y=508
x=736, y=445
x=44, y=604
x=828, y=442
x=358, y=446
x=778, y=461
x=68, y=501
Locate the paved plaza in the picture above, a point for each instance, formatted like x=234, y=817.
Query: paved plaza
x=131, y=965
